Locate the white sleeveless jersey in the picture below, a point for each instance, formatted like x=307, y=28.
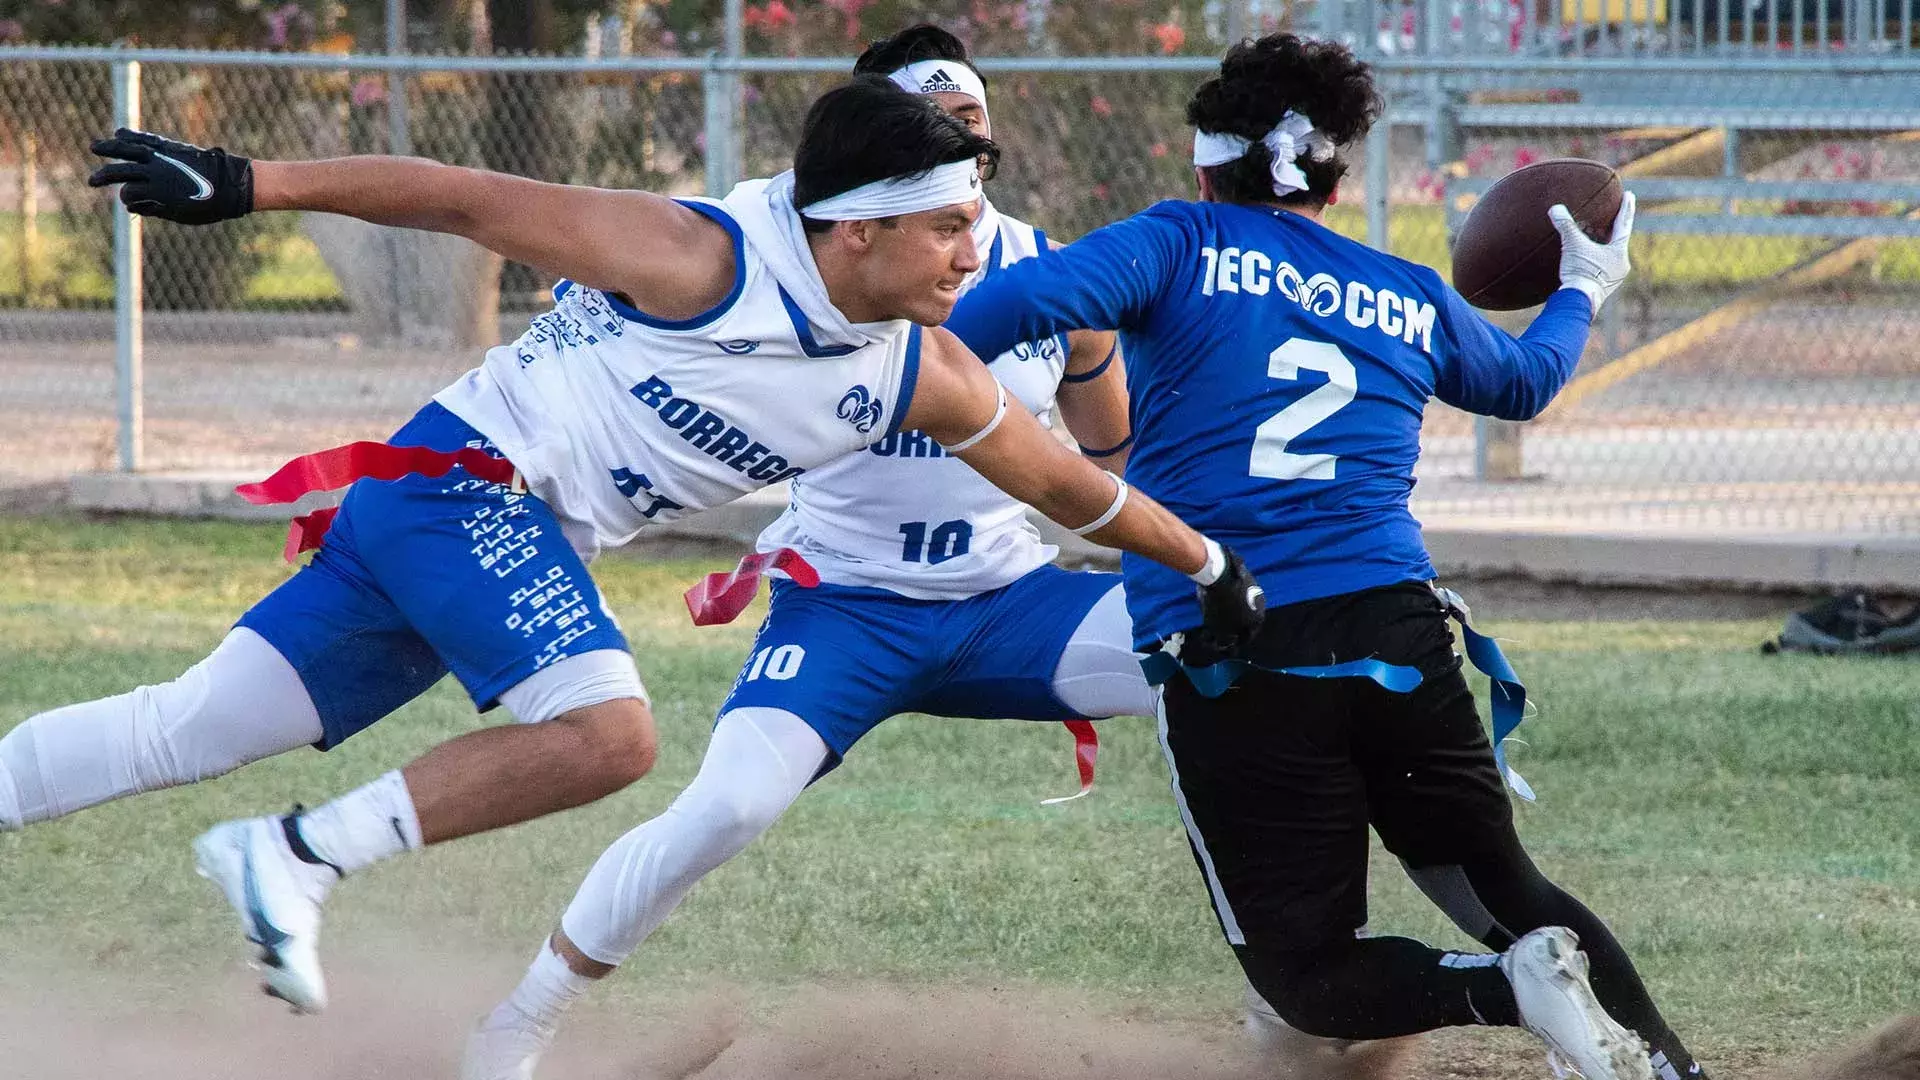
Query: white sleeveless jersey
x=619, y=420
x=905, y=516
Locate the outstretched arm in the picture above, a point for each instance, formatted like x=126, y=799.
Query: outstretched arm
x=669, y=260
x=1485, y=370
x=958, y=403
x=956, y=398
x=1105, y=280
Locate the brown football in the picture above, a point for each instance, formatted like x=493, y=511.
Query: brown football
x=1506, y=255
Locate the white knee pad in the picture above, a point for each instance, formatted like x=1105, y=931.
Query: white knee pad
x=242, y=703
x=758, y=762
x=575, y=682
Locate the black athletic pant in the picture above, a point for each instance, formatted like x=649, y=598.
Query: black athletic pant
x=1279, y=779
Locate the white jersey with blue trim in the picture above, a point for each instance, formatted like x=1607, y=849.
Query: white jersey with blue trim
x=904, y=515
x=620, y=420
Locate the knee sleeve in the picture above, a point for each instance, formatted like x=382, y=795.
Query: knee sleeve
x=1099, y=673
x=575, y=682
x=242, y=703
x=757, y=763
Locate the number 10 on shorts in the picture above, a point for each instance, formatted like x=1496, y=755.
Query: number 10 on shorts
x=780, y=662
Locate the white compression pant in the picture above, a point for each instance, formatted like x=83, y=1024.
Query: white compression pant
x=1099, y=673
x=758, y=763
x=242, y=703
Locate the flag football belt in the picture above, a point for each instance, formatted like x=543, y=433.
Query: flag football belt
x=342, y=465
x=1509, y=696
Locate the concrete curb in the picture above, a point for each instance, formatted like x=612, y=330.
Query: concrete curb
x=1533, y=550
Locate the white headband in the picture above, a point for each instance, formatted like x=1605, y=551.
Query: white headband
x=952, y=184
x=1289, y=139
x=941, y=77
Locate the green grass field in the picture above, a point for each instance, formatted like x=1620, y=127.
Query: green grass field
x=1750, y=825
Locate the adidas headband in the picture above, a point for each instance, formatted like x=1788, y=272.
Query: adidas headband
x=952, y=184
x=941, y=77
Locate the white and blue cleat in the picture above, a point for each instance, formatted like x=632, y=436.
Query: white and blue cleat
x=278, y=898
x=1548, y=973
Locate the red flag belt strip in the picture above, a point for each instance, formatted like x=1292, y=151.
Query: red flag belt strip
x=342, y=465
x=720, y=597
x=1086, y=751
x=327, y=470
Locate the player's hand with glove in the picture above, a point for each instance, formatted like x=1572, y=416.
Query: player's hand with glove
x=173, y=180
x=1594, y=268
x=1232, y=607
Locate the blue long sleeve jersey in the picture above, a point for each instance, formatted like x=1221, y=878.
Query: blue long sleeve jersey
x=1278, y=373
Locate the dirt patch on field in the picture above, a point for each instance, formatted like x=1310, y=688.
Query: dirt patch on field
x=406, y=1020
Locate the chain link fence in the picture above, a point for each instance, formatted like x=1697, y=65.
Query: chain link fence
x=1760, y=373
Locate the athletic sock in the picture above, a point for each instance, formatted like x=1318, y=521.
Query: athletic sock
x=548, y=988
x=357, y=829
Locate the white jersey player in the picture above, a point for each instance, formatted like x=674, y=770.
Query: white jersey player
x=702, y=350
x=936, y=595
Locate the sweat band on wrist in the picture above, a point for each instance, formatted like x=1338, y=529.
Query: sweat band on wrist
x=1215, y=565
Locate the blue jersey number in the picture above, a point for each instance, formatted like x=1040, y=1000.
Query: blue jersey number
x=1270, y=457
x=950, y=540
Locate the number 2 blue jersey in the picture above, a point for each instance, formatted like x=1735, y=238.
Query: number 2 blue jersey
x=1278, y=374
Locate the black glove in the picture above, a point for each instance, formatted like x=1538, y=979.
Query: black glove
x=174, y=180
x=1231, y=611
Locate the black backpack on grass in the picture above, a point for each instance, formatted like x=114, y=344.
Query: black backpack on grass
x=1855, y=622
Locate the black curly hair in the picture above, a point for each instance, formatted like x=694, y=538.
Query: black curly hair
x=1259, y=82
x=924, y=41
x=870, y=129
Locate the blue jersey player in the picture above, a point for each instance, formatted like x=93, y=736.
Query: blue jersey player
x=1278, y=373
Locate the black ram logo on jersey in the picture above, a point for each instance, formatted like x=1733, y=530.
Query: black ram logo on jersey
x=858, y=408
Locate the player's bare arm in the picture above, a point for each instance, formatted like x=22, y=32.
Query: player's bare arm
x=669, y=260
x=956, y=398
x=1093, y=398
x=1093, y=395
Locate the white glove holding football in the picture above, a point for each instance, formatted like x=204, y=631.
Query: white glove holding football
x=1594, y=268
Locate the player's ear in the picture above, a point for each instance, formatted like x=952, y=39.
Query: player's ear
x=858, y=234
x=1204, y=182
